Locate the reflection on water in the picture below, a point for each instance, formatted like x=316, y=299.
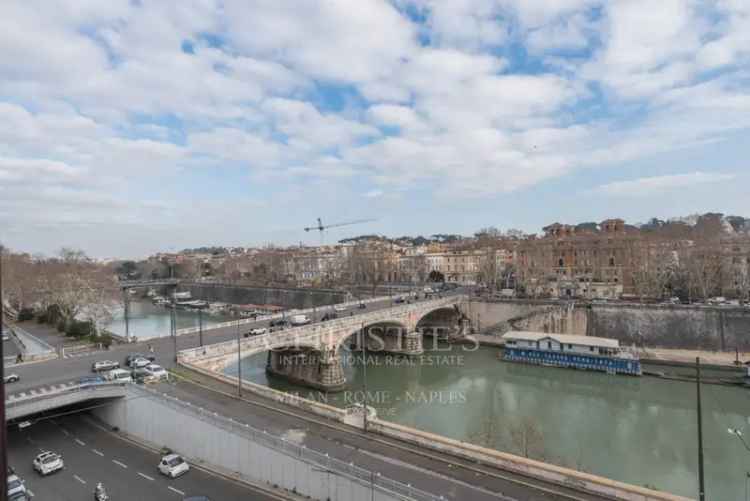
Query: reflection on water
x=638, y=430
x=146, y=320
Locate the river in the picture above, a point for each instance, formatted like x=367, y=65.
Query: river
x=637, y=430
x=147, y=320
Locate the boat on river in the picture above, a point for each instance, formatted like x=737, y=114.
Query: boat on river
x=570, y=351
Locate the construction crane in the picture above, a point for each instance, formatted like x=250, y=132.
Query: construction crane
x=322, y=227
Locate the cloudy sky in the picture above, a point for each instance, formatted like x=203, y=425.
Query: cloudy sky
x=132, y=126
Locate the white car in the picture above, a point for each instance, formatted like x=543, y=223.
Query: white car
x=48, y=462
x=15, y=485
x=119, y=376
x=104, y=365
x=11, y=378
x=139, y=363
x=172, y=465
x=258, y=331
x=156, y=371
x=339, y=307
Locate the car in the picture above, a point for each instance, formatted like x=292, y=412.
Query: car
x=104, y=365
x=339, y=307
x=15, y=485
x=399, y=300
x=48, y=462
x=133, y=356
x=280, y=322
x=91, y=380
x=119, y=376
x=11, y=378
x=139, y=363
x=19, y=496
x=362, y=306
x=156, y=371
x=258, y=331
x=329, y=316
x=172, y=465
x=298, y=320
x=6, y=337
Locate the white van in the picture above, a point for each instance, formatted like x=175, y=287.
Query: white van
x=300, y=320
x=119, y=376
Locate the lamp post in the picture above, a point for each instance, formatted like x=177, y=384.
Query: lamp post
x=200, y=326
x=239, y=361
x=364, y=375
x=3, y=428
x=738, y=433
x=701, y=481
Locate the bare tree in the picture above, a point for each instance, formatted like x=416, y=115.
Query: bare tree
x=526, y=436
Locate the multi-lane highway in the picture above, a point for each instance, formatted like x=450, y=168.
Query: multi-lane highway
x=93, y=454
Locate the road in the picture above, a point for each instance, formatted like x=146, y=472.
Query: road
x=431, y=471
x=93, y=455
x=56, y=371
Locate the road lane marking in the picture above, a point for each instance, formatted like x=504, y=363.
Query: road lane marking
x=97, y=452
x=119, y=463
x=79, y=479
x=145, y=476
x=80, y=442
x=175, y=490
x=67, y=434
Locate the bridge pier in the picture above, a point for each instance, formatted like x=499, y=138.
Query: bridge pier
x=308, y=367
x=394, y=341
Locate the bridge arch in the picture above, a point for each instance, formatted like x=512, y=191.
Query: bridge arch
x=443, y=323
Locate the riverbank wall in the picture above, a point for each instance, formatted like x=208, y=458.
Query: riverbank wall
x=428, y=441
x=680, y=327
x=287, y=298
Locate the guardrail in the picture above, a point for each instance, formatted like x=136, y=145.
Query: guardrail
x=322, y=460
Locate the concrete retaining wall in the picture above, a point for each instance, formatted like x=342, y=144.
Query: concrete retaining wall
x=236, y=449
x=529, y=467
x=288, y=298
x=687, y=327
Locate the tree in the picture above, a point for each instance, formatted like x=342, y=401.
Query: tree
x=526, y=436
x=488, y=271
x=436, y=276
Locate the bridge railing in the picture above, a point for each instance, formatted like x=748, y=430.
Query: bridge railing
x=286, y=314
x=148, y=283
x=308, y=335
x=325, y=463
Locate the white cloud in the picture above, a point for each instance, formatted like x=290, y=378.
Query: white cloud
x=647, y=186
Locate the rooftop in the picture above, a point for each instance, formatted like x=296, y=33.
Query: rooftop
x=562, y=338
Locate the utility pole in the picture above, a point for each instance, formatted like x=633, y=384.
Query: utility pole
x=200, y=326
x=364, y=373
x=126, y=304
x=3, y=427
x=173, y=323
x=701, y=482
x=239, y=361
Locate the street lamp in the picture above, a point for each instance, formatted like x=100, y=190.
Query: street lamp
x=738, y=433
x=3, y=428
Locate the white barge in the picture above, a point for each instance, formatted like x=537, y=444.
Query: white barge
x=564, y=350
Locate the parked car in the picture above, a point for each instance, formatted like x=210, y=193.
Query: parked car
x=19, y=496
x=91, y=380
x=139, y=363
x=300, y=320
x=156, y=371
x=339, y=307
x=399, y=300
x=104, y=365
x=6, y=337
x=258, y=331
x=362, y=306
x=11, y=378
x=280, y=322
x=119, y=376
x=15, y=485
x=172, y=465
x=133, y=356
x=48, y=462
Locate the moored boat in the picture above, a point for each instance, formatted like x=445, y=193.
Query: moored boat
x=571, y=351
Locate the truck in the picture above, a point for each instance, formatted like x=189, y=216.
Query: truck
x=299, y=320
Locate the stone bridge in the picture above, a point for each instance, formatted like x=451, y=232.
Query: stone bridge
x=310, y=354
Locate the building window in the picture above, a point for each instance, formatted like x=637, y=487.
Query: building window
x=591, y=348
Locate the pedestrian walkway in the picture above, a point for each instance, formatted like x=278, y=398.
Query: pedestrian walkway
x=30, y=345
